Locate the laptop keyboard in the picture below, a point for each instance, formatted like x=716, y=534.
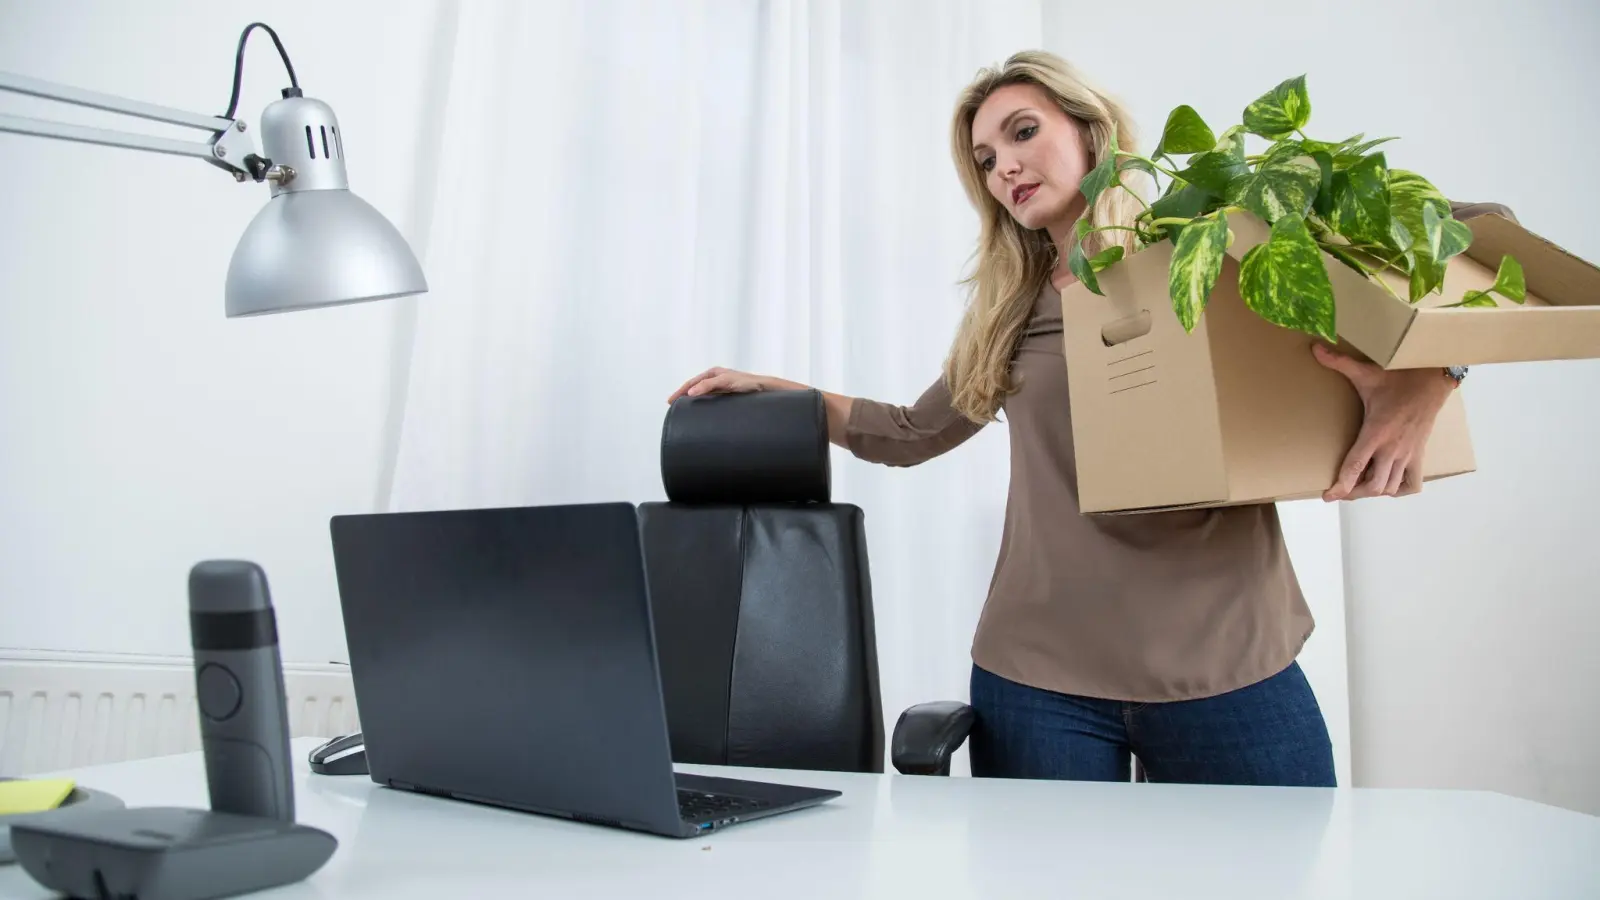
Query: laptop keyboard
x=699, y=806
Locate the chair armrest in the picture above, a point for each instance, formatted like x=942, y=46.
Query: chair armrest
x=928, y=734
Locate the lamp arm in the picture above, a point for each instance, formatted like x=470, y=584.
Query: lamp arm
x=229, y=148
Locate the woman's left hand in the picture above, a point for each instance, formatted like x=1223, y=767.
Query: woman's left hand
x=1400, y=406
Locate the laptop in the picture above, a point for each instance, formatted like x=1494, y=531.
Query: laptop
x=508, y=657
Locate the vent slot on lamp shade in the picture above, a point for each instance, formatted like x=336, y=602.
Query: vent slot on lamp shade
x=331, y=148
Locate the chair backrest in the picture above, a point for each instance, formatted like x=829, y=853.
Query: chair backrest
x=760, y=589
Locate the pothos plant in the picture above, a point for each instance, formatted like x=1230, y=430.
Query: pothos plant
x=1340, y=198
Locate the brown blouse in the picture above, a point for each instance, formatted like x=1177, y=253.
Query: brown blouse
x=1147, y=607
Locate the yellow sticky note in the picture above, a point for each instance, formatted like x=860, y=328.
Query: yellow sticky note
x=33, y=795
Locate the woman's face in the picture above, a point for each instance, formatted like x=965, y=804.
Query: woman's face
x=1032, y=156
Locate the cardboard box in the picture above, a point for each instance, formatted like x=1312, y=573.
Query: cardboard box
x=1239, y=411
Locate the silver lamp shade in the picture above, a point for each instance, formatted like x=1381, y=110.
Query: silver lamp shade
x=319, y=248
x=315, y=243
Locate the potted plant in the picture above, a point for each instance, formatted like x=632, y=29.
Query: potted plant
x=1336, y=198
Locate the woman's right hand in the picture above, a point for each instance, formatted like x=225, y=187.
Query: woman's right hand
x=721, y=381
x=730, y=381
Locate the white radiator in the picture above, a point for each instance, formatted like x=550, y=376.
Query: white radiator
x=64, y=710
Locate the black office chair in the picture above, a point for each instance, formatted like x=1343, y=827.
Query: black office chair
x=928, y=735
x=760, y=590
x=761, y=597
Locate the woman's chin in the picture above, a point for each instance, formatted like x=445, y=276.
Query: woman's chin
x=1035, y=217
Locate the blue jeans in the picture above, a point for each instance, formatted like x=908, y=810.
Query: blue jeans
x=1268, y=733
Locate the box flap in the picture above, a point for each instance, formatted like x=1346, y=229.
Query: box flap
x=1560, y=318
x=1557, y=277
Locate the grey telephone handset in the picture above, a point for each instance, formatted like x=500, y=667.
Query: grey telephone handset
x=244, y=714
x=248, y=840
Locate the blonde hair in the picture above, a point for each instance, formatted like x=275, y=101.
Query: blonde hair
x=1012, y=262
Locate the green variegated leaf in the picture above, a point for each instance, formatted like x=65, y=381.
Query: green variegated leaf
x=1281, y=111
x=1105, y=258
x=1213, y=170
x=1355, y=154
x=1232, y=143
x=1315, y=146
x=1195, y=266
x=1083, y=227
x=1455, y=238
x=1399, y=237
x=1447, y=237
x=1361, y=202
x=1285, y=149
x=1079, y=264
x=1472, y=299
x=1185, y=203
x=1427, y=276
x=1278, y=188
x=1324, y=202
x=1099, y=179
x=1431, y=227
x=1509, y=281
x=1284, y=281
x=1231, y=138
x=1139, y=164
x=1409, y=194
x=1186, y=132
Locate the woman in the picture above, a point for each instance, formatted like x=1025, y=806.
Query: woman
x=1172, y=636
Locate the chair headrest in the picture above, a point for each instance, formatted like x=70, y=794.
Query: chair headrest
x=760, y=447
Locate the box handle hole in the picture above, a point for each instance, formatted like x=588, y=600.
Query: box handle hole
x=1126, y=329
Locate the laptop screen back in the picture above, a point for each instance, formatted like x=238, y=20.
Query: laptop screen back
x=507, y=655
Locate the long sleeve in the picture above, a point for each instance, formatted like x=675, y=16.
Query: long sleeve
x=907, y=435
x=1464, y=211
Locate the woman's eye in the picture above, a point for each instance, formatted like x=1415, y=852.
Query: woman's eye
x=987, y=164
x=1027, y=132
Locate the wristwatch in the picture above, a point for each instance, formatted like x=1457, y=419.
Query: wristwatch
x=1456, y=374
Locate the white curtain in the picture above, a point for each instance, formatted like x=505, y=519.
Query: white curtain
x=628, y=192
x=631, y=192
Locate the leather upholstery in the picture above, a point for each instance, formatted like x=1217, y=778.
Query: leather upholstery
x=760, y=590
x=736, y=449
x=928, y=735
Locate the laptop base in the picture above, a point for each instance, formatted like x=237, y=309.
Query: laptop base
x=752, y=800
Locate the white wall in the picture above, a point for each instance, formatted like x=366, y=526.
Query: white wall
x=1474, y=625
x=140, y=430
x=1473, y=614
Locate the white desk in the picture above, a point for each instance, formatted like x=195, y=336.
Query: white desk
x=915, y=838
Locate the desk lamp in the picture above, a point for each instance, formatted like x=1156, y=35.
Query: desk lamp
x=315, y=244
